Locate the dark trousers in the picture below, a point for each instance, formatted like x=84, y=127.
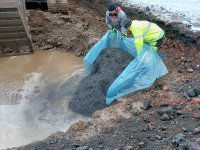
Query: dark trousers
x=160, y=41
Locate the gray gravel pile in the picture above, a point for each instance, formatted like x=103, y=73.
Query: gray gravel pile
x=90, y=95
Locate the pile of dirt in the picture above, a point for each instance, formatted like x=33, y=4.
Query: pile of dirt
x=77, y=31
x=91, y=94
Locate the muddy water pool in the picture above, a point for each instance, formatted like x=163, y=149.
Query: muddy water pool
x=34, y=94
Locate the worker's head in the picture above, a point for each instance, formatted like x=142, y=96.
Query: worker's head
x=127, y=22
x=112, y=8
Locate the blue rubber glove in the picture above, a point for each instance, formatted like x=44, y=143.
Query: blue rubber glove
x=114, y=30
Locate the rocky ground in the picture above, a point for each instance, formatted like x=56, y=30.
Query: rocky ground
x=165, y=116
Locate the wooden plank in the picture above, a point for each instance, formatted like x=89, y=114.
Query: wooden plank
x=8, y=5
x=11, y=29
x=13, y=35
x=9, y=15
x=6, y=23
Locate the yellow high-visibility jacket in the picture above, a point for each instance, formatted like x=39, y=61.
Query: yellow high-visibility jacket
x=145, y=31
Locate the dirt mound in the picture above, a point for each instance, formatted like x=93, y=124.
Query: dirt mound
x=77, y=31
x=90, y=95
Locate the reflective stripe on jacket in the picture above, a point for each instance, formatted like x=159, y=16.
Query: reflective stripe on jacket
x=144, y=31
x=116, y=22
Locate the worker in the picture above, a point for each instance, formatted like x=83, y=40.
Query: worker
x=144, y=31
x=115, y=18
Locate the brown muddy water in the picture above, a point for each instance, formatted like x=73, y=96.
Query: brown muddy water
x=34, y=94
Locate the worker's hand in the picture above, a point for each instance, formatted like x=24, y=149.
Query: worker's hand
x=114, y=30
x=124, y=35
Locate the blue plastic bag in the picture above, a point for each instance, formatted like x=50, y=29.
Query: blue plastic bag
x=109, y=40
x=139, y=74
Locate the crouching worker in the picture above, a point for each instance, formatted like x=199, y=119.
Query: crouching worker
x=115, y=18
x=145, y=31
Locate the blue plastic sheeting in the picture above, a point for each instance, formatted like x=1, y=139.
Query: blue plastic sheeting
x=109, y=40
x=139, y=74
